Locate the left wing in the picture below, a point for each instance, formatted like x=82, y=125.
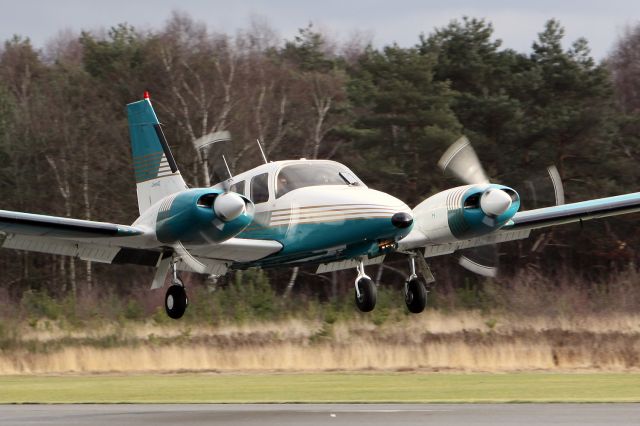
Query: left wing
x=575, y=212
x=520, y=226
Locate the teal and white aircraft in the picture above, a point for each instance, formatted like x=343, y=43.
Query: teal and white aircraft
x=288, y=213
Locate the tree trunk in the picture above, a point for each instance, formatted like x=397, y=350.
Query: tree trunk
x=292, y=282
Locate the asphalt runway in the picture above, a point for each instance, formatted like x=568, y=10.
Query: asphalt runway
x=321, y=414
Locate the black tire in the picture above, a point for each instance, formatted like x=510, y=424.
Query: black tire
x=367, y=300
x=175, y=302
x=415, y=296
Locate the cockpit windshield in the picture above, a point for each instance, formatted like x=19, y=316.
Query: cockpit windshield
x=313, y=174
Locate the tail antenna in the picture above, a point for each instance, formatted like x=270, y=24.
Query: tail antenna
x=264, y=157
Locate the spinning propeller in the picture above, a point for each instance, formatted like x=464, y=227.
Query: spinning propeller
x=461, y=161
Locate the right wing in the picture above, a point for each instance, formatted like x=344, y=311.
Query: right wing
x=118, y=244
x=61, y=227
x=84, y=239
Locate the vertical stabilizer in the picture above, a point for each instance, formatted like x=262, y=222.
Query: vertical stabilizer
x=156, y=172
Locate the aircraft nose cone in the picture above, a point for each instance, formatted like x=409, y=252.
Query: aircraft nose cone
x=401, y=220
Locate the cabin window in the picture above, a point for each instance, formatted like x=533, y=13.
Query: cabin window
x=260, y=188
x=302, y=175
x=237, y=187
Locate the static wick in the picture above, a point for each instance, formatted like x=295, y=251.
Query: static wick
x=264, y=157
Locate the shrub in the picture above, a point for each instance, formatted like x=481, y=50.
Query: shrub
x=41, y=305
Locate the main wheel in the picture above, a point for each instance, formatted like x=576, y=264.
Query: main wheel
x=416, y=296
x=175, y=302
x=367, y=299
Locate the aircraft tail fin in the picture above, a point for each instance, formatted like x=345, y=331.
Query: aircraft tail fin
x=156, y=171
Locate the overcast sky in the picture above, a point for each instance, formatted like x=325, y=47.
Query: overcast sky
x=516, y=22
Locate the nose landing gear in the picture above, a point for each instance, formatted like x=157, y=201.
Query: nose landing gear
x=365, y=291
x=176, y=301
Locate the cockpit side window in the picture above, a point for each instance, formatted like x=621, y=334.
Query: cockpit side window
x=260, y=188
x=313, y=174
x=237, y=187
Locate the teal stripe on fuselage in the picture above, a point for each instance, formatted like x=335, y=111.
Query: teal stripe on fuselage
x=360, y=236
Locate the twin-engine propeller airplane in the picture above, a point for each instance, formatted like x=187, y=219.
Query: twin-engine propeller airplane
x=287, y=213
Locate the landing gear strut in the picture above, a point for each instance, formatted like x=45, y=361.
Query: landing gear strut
x=176, y=301
x=415, y=293
x=365, y=292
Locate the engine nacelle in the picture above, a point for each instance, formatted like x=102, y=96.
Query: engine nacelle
x=458, y=214
x=203, y=216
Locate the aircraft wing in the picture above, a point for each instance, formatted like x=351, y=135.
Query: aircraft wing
x=61, y=227
x=114, y=243
x=521, y=225
x=85, y=239
x=575, y=212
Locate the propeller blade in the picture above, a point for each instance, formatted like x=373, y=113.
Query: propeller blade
x=226, y=185
x=543, y=189
x=188, y=259
x=481, y=260
x=294, y=218
x=461, y=160
x=558, y=188
x=161, y=273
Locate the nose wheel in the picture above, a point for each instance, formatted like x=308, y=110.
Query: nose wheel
x=365, y=291
x=176, y=301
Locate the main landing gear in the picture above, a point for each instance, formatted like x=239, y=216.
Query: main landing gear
x=365, y=291
x=415, y=293
x=176, y=301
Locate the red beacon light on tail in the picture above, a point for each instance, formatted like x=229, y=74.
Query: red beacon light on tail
x=146, y=95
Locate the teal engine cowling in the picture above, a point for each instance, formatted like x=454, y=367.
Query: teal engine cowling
x=465, y=212
x=203, y=216
x=483, y=210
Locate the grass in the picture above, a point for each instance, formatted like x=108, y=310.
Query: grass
x=322, y=387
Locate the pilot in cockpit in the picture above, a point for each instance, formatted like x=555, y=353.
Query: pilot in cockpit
x=283, y=184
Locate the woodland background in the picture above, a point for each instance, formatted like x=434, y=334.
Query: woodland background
x=386, y=112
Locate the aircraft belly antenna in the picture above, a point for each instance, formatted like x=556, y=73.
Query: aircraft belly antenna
x=264, y=157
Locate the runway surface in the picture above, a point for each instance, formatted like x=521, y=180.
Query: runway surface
x=321, y=414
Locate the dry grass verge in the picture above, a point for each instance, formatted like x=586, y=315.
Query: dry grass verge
x=466, y=341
